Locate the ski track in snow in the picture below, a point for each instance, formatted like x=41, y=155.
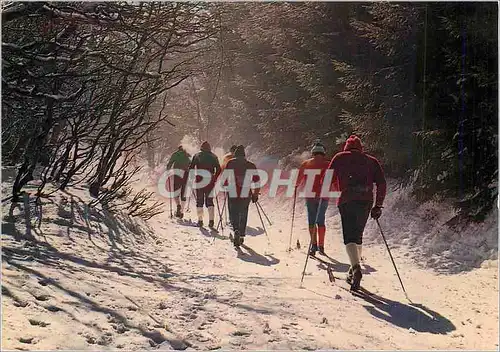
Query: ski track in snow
x=96, y=281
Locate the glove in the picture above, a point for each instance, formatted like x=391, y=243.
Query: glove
x=376, y=212
x=255, y=197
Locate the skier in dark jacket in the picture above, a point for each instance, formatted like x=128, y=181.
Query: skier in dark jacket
x=180, y=159
x=206, y=160
x=239, y=205
x=355, y=172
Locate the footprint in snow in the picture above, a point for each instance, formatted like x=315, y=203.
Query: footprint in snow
x=105, y=339
x=53, y=309
x=41, y=297
x=27, y=340
x=91, y=340
x=241, y=333
x=38, y=323
x=120, y=328
x=44, y=282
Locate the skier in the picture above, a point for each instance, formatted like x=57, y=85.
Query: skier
x=180, y=159
x=316, y=206
x=355, y=172
x=239, y=205
x=206, y=160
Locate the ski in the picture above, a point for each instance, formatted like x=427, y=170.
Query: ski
x=327, y=263
x=335, y=279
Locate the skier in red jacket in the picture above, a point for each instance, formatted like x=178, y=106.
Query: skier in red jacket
x=316, y=206
x=355, y=172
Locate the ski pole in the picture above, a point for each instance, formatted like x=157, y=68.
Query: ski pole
x=262, y=221
x=188, y=204
x=170, y=189
x=305, y=265
x=218, y=210
x=185, y=189
x=293, y=217
x=220, y=217
x=392, y=259
x=310, y=242
x=220, y=214
x=226, y=200
x=263, y=212
x=193, y=194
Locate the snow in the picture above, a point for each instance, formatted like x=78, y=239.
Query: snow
x=107, y=281
x=422, y=229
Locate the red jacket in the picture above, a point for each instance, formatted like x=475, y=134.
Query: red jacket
x=354, y=175
x=319, y=164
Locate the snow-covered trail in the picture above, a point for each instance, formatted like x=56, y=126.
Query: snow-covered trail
x=175, y=287
x=255, y=297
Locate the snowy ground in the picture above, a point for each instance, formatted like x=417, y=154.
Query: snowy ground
x=97, y=281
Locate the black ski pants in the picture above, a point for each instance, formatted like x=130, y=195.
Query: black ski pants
x=203, y=197
x=239, y=214
x=354, y=215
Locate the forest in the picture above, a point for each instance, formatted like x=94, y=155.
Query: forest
x=89, y=88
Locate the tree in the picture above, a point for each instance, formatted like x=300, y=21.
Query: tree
x=90, y=76
x=427, y=103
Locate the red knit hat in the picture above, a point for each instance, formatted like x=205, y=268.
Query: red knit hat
x=353, y=142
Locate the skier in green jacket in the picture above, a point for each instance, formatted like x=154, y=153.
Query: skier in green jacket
x=180, y=159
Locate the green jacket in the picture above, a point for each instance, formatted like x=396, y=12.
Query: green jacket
x=179, y=160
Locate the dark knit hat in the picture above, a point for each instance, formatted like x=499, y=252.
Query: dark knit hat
x=239, y=152
x=205, y=146
x=353, y=142
x=233, y=148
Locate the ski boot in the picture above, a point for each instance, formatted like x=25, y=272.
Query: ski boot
x=348, y=279
x=211, y=224
x=312, y=251
x=242, y=239
x=321, y=250
x=178, y=212
x=356, y=277
x=236, y=240
x=200, y=223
